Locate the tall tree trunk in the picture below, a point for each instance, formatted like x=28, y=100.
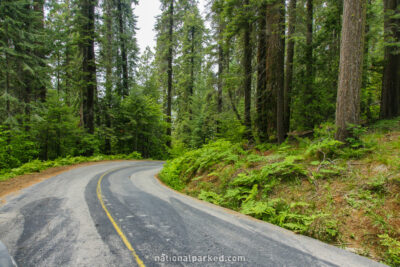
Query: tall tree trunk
x=109, y=65
x=351, y=64
x=169, y=72
x=308, y=94
x=8, y=106
x=390, y=101
x=275, y=67
x=88, y=64
x=247, y=56
x=289, y=64
x=191, y=86
x=309, y=44
x=261, y=98
x=39, y=25
x=124, y=56
x=221, y=62
x=366, y=105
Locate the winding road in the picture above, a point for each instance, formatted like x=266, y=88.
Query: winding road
x=118, y=214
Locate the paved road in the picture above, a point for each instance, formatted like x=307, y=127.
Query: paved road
x=118, y=214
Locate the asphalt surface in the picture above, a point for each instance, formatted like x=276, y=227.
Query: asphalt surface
x=118, y=214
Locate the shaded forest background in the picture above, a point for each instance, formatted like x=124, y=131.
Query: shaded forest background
x=72, y=80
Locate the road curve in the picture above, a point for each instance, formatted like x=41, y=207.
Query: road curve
x=118, y=214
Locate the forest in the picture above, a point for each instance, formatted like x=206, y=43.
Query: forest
x=267, y=107
x=73, y=81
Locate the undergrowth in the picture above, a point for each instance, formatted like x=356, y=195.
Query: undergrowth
x=267, y=182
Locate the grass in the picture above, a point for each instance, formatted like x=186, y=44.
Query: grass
x=38, y=166
x=348, y=196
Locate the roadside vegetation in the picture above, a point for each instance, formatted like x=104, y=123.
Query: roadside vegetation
x=344, y=194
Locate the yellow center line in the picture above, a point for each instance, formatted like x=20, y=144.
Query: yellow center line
x=117, y=228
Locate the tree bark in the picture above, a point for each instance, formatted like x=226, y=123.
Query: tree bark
x=308, y=94
x=88, y=64
x=247, y=56
x=275, y=66
x=289, y=64
x=191, y=86
x=124, y=56
x=221, y=62
x=350, y=69
x=169, y=71
x=39, y=9
x=309, y=46
x=109, y=65
x=261, y=96
x=390, y=101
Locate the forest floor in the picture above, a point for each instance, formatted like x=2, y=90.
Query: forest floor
x=349, y=197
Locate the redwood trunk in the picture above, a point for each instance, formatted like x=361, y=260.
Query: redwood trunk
x=275, y=66
x=169, y=72
x=39, y=8
x=289, y=64
x=262, y=116
x=390, y=101
x=351, y=65
x=247, y=55
x=88, y=65
x=124, y=56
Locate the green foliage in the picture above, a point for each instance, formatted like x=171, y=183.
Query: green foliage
x=210, y=197
x=244, y=179
x=324, y=149
x=378, y=184
x=15, y=148
x=171, y=174
x=192, y=163
x=392, y=254
x=294, y=217
x=139, y=126
x=288, y=169
x=386, y=125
